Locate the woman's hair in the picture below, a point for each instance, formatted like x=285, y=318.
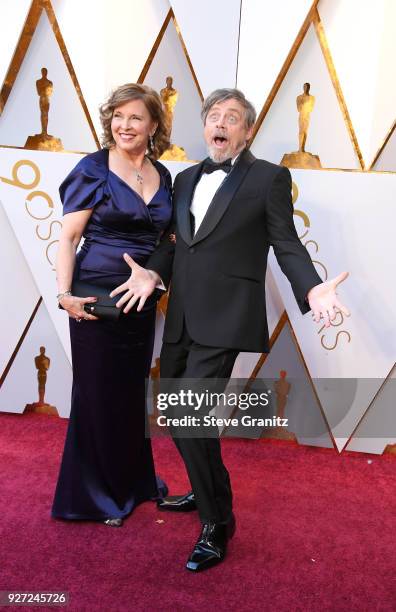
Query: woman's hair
x=153, y=103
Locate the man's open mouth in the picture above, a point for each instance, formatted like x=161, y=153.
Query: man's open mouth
x=219, y=140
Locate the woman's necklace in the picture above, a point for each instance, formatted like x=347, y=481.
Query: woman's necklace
x=138, y=175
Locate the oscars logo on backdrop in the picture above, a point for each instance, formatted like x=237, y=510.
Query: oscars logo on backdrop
x=34, y=205
x=310, y=245
x=44, y=141
x=302, y=158
x=42, y=363
x=169, y=96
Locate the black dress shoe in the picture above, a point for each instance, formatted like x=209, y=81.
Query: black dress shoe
x=177, y=503
x=211, y=546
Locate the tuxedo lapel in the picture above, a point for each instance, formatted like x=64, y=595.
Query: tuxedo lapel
x=184, y=199
x=223, y=196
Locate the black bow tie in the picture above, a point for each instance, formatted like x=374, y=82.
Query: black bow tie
x=210, y=166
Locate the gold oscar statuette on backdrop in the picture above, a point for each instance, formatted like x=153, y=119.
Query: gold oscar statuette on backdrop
x=169, y=96
x=44, y=141
x=301, y=158
x=282, y=388
x=42, y=363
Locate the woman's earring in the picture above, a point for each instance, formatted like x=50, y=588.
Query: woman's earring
x=151, y=143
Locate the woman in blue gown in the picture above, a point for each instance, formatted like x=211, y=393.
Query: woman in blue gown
x=119, y=200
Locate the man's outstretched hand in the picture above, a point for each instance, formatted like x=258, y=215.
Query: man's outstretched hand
x=324, y=302
x=139, y=286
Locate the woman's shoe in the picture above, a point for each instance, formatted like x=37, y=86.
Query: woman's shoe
x=114, y=522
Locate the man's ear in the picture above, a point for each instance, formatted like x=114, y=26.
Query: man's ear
x=249, y=133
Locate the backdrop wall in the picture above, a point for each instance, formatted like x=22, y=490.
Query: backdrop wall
x=344, y=212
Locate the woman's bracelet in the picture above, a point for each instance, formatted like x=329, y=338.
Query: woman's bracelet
x=62, y=295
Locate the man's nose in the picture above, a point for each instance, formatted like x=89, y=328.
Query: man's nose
x=220, y=122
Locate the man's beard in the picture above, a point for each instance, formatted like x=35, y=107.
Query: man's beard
x=220, y=156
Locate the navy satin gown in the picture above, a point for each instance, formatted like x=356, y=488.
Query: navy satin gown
x=107, y=466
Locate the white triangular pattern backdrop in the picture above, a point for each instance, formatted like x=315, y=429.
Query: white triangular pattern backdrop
x=66, y=116
x=361, y=36
x=328, y=135
x=170, y=60
x=266, y=37
x=223, y=50
x=13, y=15
x=210, y=31
x=108, y=60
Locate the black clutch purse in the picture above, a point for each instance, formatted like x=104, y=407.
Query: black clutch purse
x=104, y=307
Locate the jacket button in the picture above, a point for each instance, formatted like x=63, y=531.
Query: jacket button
x=192, y=250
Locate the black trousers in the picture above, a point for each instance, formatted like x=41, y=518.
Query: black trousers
x=209, y=478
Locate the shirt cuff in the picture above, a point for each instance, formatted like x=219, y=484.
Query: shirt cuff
x=160, y=284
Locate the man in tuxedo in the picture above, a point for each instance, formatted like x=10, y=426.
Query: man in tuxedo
x=228, y=211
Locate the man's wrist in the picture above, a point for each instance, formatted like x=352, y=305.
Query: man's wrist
x=309, y=293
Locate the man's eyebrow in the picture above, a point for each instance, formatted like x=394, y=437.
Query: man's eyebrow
x=232, y=110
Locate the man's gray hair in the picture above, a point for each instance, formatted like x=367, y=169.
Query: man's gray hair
x=220, y=95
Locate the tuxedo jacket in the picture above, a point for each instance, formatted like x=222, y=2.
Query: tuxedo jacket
x=217, y=277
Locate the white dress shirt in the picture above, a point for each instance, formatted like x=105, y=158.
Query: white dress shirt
x=204, y=193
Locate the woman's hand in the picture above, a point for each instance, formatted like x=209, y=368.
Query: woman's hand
x=75, y=307
x=139, y=286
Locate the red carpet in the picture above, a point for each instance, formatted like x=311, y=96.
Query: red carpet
x=315, y=531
